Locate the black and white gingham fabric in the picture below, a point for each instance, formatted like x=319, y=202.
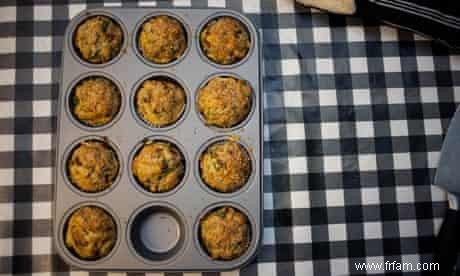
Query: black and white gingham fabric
x=355, y=114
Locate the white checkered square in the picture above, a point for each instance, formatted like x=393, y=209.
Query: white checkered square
x=399, y=128
x=268, y=201
x=330, y=130
x=42, y=175
x=218, y=4
x=283, y=6
x=322, y=34
x=293, y=99
x=8, y=14
x=335, y=198
x=6, y=142
x=388, y=33
x=361, y=97
x=42, y=44
x=367, y=162
x=267, y=167
x=300, y=199
x=6, y=211
x=358, y=65
x=41, y=246
x=7, y=45
x=425, y=63
x=332, y=164
x=401, y=161
x=302, y=268
x=6, y=247
x=339, y=266
x=154, y=3
x=395, y=95
x=370, y=195
x=7, y=77
x=405, y=194
x=433, y=159
x=364, y=129
x=295, y=131
x=457, y=94
x=41, y=210
x=324, y=65
x=408, y=228
x=373, y=230
x=269, y=235
x=42, y=75
x=355, y=34
x=290, y=67
x=43, y=12
x=327, y=97
x=437, y=194
x=266, y=269
x=432, y=127
x=41, y=141
x=429, y=94
x=297, y=165
x=182, y=3
x=337, y=232
x=301, y=234
x=251, y=6
x=7, y=177
x=287, y=35
x=454, y=62
x=392, y=64
x=41, y=108
x=74, y=9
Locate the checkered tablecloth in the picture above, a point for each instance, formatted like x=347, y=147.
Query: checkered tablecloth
x=355, y=114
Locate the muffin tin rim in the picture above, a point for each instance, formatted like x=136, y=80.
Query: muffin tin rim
x=70, y=91
x=135, y=89
x=221, y=13
x=254, y=239
x=196, y=168
x=245, y=121
x=135, y=35
x=165, y=205
x=63, y=226
x=69, y=150
x=133, y=153
x=79, y=19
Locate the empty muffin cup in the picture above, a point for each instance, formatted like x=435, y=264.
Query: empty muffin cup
x=157, y=233
x=98, y=39
x=90, y=233
x=95, y=101
x=225, y=40
x=162, y=39
x=224, y=233
x=92, y=166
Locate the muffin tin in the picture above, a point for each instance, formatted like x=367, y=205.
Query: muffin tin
x=158, y=231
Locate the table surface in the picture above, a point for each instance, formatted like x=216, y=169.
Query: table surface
x=355, y=114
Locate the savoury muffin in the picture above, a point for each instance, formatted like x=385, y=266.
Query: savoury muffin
x=160, y=102
x=225, y=40
x=225, y=233
x=95, y=101
x=158, y=166
x=162, y=39
x=224, y=101
x=98, y=39
x=225, y=166
x=91, y=233
x=93, y=166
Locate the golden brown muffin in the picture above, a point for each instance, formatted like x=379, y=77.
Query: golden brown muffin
x=162, y=39
x=160, y=102
x=225, y=166
x=225, y=101
x=91, y=233
x=158, y=166
x=93, y=166
x=225, y=40
x=96, y=101
x=225, y=233
x=98, y=39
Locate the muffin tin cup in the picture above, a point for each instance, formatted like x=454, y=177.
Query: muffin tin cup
x=135, y=209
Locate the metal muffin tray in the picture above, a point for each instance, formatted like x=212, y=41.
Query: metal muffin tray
x=168, y=220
